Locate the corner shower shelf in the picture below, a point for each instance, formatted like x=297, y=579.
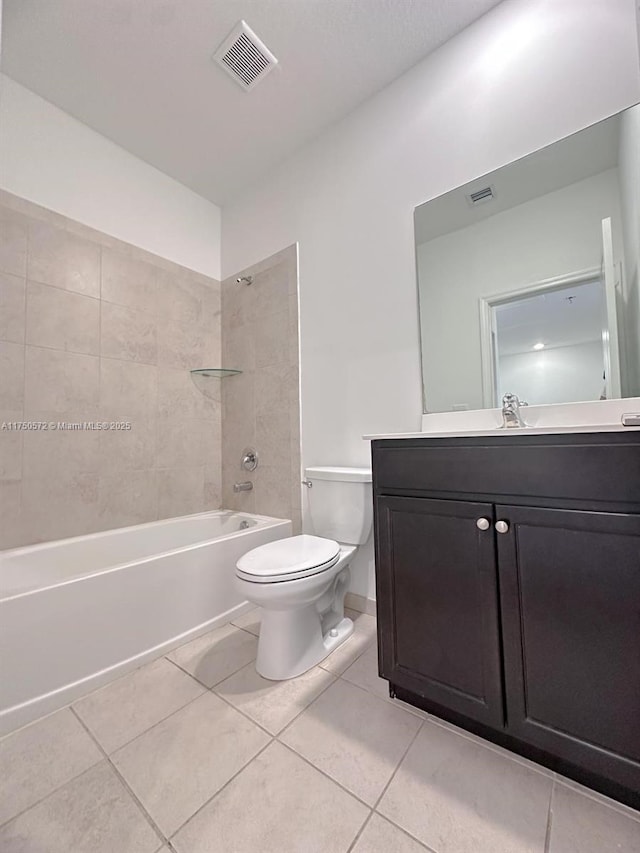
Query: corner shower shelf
x=215, y=371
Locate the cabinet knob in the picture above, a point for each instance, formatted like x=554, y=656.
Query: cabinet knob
x=483, y=524
x=502, y=526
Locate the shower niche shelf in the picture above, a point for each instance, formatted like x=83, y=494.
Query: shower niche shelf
x=218, y=372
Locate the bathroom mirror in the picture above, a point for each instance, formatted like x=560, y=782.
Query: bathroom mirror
x=528, y=276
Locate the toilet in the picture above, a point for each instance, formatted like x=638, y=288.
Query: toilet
x=300, y=583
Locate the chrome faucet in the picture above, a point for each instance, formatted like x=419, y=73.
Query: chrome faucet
x=243, y=487
x=511, y=417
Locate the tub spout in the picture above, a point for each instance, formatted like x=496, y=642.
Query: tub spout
x=242, y=487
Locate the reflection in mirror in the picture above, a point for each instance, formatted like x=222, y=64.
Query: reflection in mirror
x=528, y=276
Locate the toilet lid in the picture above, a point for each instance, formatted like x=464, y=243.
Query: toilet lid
x=288, y=559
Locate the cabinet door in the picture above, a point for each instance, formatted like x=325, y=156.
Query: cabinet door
x=438, y=603
x=570, y=587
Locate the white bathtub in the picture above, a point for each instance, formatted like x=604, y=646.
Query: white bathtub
x=77, y=613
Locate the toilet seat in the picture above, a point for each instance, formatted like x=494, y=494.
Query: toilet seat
x=288, y=559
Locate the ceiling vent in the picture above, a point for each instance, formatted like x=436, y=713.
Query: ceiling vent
x=244, y=57
x=481, y=196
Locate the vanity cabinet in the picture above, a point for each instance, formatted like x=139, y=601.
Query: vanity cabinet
x=508, y=586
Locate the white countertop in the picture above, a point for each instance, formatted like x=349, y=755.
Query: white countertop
x=500, y=433
x=555, y=419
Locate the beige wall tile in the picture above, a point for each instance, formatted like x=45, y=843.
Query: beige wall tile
x=13, y=242
x=181, y=300
x=126, y=450
x=274, y=387
x=180, y=443
x=128, y=389
x=212, y=487
x=274, y=440
x=62, y=320
x=127, y=334
x=12, y=532
x=123, y=501
x=60, y=382
x=182, y=395
x=186, y=347
x=11, y=443
x=261, y=408
x=238, y=349
x=271, y=339
x=12, y=308
x=79, y=481
x=12, y=371
x=271, y=292
x=62, y=259
x=130, y=282
x=211, y=306
x=273, y=492
x=52, y=453
x=60, y=505
x=236, y=301
x=180, y=491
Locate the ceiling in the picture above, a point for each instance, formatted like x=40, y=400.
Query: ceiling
x=561, y=318
x=575, y=158
x=140, y=72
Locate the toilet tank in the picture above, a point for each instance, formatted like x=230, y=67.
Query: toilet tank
x=341, y=503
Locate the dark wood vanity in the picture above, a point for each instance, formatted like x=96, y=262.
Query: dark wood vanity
x=508, y=593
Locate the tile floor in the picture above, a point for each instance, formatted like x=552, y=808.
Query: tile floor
x=195, y=753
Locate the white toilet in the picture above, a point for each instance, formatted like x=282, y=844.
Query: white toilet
x=300, y=583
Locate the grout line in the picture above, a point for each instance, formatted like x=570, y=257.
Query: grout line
x=217, y=695
x=377, y=803
x=397, y=767
x=140, y=734
x=220, y=790
x=360, y=831
x=49, y=794
x=124, y=782
x=324, y=773
x=495, y=748
x=290, y=722
x=547, y=836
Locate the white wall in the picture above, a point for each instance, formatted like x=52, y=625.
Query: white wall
x=555, y=375
x=555, y=234
x=520, y=78
x=49, y=158
x=629, y=167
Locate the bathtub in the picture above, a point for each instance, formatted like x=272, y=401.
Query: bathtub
x=77, y=613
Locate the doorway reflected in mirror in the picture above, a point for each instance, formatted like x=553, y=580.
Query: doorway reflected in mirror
x=528, y=276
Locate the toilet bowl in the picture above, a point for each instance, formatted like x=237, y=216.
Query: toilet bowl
x=300, y=583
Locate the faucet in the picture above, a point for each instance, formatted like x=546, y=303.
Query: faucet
x=511, y=417
x=243, y=487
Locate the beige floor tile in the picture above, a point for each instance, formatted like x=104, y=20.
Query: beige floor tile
x=132, y=704
x=250, y=621
x=597, y=796
x=456, y=796
x=380, y=836
x=216, y=655
x=91, y=814
x=364, y=673
x=487, y=744
x=40, y=758
x=273, y=704
x=581, y=824
x=364, y=635
x=354, y=737
x=175, y=767
x=277, y=803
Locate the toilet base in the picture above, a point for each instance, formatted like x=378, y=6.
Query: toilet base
x=292, y=641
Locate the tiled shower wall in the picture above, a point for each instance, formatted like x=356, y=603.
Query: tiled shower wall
x=261, y=407
x=93, y=329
